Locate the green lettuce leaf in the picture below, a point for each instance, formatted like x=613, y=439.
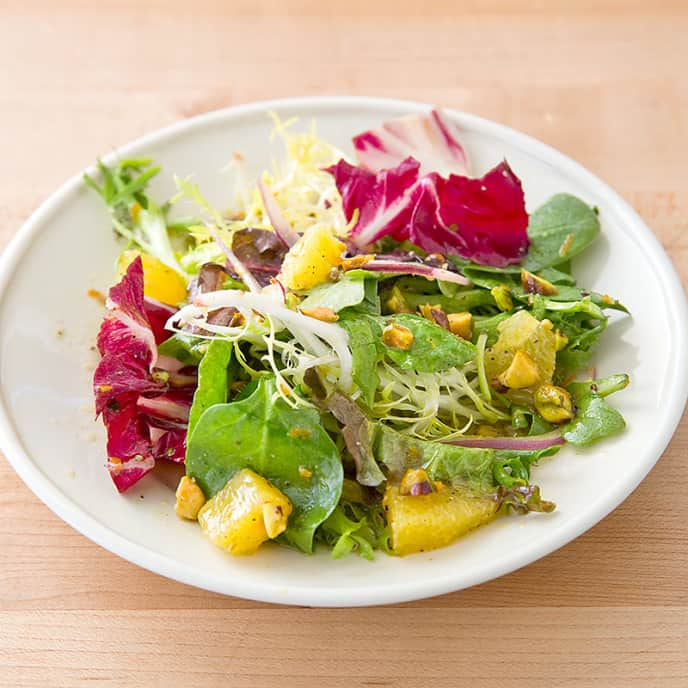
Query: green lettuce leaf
x=336, y=295
x=364, y=335
x=434, y=349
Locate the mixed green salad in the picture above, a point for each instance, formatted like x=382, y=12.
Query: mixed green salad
x=367, y=353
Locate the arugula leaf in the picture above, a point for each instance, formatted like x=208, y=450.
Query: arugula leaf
x=434, y=349
x=559, y=230
x=595, y=418
x=213, y=380
x=364, y=335
x=264, y=433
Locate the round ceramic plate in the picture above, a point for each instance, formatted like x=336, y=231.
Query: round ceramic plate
x=48, y=433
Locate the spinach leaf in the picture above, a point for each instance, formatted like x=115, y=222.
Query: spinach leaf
x=434, y=349
x=213, y=380
x=265, y=434
x=595, y=418
x=186, y=348
x=336, y=295
x=364, y=335
x=559, y=230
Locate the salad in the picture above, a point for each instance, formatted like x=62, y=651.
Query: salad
x=363, y=353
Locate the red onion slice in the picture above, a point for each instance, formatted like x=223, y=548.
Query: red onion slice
x=427, y=271
x=533, y=443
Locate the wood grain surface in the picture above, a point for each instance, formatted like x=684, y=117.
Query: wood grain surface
x=603, y=81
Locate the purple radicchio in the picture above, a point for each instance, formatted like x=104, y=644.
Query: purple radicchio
x=145, y=420
x=403, y=191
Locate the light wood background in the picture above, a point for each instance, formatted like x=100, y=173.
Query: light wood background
x=604, y=81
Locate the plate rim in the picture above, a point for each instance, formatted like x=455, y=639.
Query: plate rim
x=42, y=486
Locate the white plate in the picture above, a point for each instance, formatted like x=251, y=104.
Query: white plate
x=48, y=434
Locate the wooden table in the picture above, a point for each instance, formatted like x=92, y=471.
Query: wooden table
x=604, y=81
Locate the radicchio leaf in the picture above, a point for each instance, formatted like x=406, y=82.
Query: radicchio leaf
x=433, y=140
x=144, y=421
x=483, y=219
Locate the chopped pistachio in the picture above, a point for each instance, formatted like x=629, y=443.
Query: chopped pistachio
x=415, y=483
x=461, y=324
x=397, y=336
x=190, y=498
x=275, y=520
x=534, y=284
x=355, y=262
x=321, y=313
x=502, y=297
x=553, y=403
x=305, y=473
x=396, y=303
x=522, y=372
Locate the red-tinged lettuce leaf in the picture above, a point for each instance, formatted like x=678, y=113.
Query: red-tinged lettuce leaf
x=483, y=219
x=432, y=140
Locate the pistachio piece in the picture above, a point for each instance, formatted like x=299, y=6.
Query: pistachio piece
x=553, y=403
x=522, y=372
x=534, y=284
x=502, y=297
x=355, y=262
x=275, y=520
x=321, y=313
x=434, y=314
x=190, y=498
x=461, y=324
x=396, y=302
x=415, y=483
x=397, y=336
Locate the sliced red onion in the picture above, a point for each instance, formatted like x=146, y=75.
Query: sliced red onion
x=427, y=271
x=549, y=439
x=279, y=223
